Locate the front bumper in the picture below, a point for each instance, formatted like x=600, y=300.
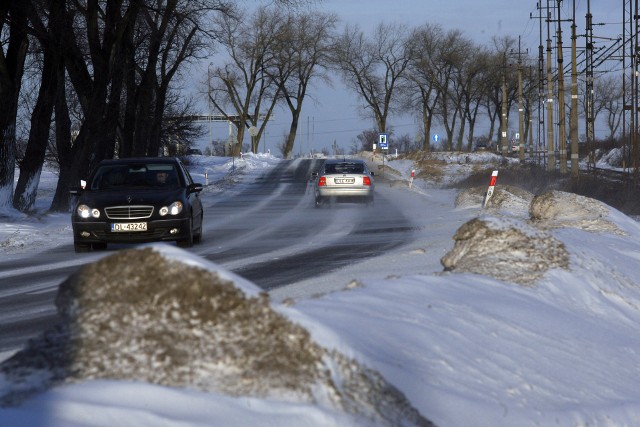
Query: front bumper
x=157, y=230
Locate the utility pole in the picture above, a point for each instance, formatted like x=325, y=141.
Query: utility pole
x=562, y=138
x=551, y=165
x=210, y=113
x=541, y=130
x=521, y=141
x=530, y=120
x=574, y=98
x=634, y=87
x=503, y=130
x=589, y=88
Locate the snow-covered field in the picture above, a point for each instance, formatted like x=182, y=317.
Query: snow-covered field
x=535, y=323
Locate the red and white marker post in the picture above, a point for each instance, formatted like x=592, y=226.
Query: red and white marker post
x=413, y=175
x=492, y=184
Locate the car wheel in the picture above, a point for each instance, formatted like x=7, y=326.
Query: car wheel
x=187, y=242
x=197, y=237
x=81, y=247
x=319, y=202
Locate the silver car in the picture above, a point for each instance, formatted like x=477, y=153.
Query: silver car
x=348, y=180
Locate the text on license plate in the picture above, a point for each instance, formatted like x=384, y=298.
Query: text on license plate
x=129, y=226
x=344, y=180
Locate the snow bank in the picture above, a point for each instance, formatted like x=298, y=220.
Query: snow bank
x=558, y=209
x=510, y=251
x=507, y=199
x=137, y=315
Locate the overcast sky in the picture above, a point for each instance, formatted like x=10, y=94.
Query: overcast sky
x=335, y=114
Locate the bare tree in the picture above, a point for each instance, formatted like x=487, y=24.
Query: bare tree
x=422, y=93
x=498, y=69
x=474, y=89
x=609, y=100
x=449, y=64
x=242, y=85
x=366, y=139
x=13, y=52
x=168, y=35
x=32, y=163
x=302, y=53
x=373, y=67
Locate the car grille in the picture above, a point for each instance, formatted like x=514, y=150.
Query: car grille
x=129, y=212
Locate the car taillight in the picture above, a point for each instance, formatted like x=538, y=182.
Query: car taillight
x=366, y=180
x=322, y=181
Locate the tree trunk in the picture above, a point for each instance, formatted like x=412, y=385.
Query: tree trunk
x=31, y=166
x=461, y=134
x=293, y=129
x=60, y=202
x=11, y=72
x=155, y=135
x=129, y=121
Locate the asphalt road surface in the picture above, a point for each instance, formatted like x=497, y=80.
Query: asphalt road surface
x=269, y=232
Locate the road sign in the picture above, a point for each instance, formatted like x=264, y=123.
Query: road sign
x=436, y=138
x=383, y=142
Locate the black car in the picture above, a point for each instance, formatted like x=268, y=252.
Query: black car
x=137, y=200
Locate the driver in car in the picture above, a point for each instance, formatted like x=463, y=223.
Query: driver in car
x=162, y=178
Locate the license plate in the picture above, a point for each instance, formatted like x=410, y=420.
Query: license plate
x=129, y=226
x=344, y=180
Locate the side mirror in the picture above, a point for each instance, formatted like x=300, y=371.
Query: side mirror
x=195, y=188
x=372, y=174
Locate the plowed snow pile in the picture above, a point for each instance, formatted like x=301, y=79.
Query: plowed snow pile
x=506, y=198
x=558, y=209
x=507, y=251
x=517, y=251
x=138, y=316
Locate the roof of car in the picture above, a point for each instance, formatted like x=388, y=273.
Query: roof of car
x=344, y=161
x=130, y=160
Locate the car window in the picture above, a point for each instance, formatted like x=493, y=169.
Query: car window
x=162, y=175
x=109, y=177
x=186, y=174
x=344, y=167
x=114, y=177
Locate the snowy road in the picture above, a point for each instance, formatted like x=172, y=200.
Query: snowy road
x=268, y=232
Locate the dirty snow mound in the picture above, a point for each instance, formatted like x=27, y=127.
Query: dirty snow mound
x=558, y=209
x=138, y=316
x=471, y=197
x=505, y=250
x=506, y=199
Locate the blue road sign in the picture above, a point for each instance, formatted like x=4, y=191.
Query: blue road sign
x=383, y=142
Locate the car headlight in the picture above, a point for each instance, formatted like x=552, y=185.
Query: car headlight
x=85, y=211
x=173, y=209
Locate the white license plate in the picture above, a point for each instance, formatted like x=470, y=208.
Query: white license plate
x=344, y=180
x=129, y=226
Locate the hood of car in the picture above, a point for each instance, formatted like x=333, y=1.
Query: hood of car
x=132, y=197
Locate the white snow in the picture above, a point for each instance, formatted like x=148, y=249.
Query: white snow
x=466, y=349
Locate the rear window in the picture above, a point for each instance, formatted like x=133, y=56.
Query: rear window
x=345, y=167
x=113, y=177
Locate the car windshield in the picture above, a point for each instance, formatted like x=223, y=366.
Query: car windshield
x=344, y=167
x=115, y=177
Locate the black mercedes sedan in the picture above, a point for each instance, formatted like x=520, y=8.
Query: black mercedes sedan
x=136, y=200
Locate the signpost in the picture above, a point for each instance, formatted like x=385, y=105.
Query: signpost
x=492, y=184
x=383, y=143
